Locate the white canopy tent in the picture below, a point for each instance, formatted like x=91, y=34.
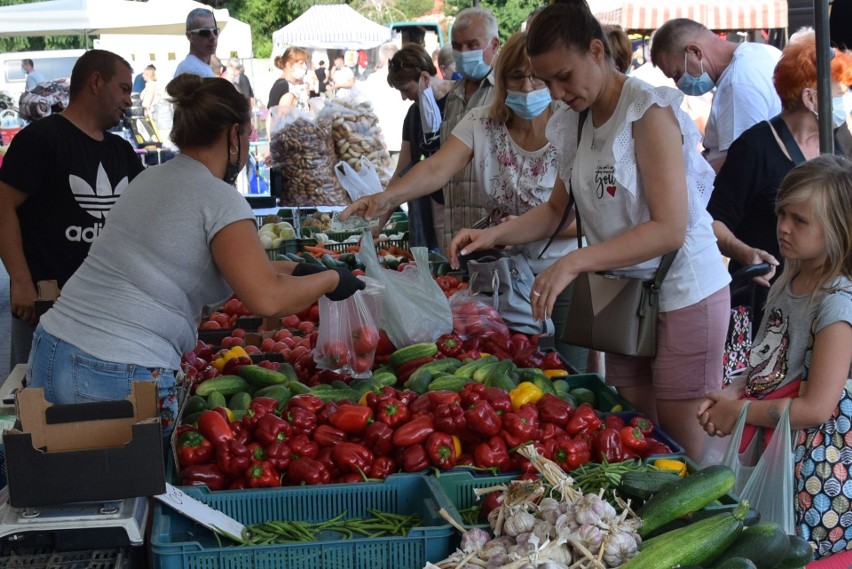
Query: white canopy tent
x=715, y=14
x=332, y=26
x=95, y=17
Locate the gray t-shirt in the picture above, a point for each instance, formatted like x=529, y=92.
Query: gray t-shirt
x=192, y=64
x=139, y=294
x=786, y=335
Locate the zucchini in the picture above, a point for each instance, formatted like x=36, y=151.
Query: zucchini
x=260, y=376
x=764, y=544
x=645, y=484
x=737, y=563
x=411, y=353
x=799, y=553
x=695, y=544
x=227, y=385
x=685, y=496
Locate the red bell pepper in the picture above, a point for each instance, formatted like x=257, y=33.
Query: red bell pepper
x=643, y=423
x=328, y=436
x=571, y=453
x=278, y=454
x=552, y=431
x=414, y=458
x=270, y=428
x=349, y=478
x=238, y=483
x=407, y=397
x=385, y=347
x=655, y=446
x=214, y=428
x=633, y=439
x=203, y=474
x=430, y=400
x=406, y=369
x=613, y=421
x=499, y=399
x=519, y=342
x=449, y=418
x=606, y=445
x=414, y=432
x=307, y=471
x=382, y=467
x=233, y=458
x=522, y=463
x=352, y=457
x=552, y=361
x=193, y=448
x=492, y=453
x=303, y=421
x=392, y=412
x=256, y=452
x=375, y=399
x=529, y=357
x=378, y=437
x=352, y=419
x=326, y=411
x=552, y=409
x=489, y=503
x=262, y=475
x=301, y=446
x=584, y=421
x=520, y=425
x=241, y=432
x=441, y=449
x=306, y=401
x=471, y=393
x=468, y=354
x=450, y=344
x=325, y=458
x=483, y=419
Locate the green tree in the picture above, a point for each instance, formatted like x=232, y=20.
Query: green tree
x=510, y=14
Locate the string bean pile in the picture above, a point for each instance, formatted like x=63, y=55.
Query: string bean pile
x=377, y=525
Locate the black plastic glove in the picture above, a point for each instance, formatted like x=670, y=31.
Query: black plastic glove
x=347, y=286
x=302, y=269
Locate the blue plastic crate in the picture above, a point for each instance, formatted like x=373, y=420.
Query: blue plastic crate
x=179, y=543
x=458, y=485
x=658, y=434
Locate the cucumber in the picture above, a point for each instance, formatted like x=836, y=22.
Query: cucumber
x=468, y=369
x=643, y=485
x=337, y=395
x=529, y=373
x=239, y=401
x=481, y=373
x=544, y=383
x=281, y=393
x=297, y=387
x=799, y=553
x=260, y=376
x=412, y=352
x=583, y=395
x=227, y=385
x=385, y=379
x=449, y=382
x=191, y=418
x=764, y=544
x=216, y=399
x=195, y=404
x=737, y=563
x=561, y=386
x=685, y=496
x=419, y=381
x=449, y=365
x=499, y=376
x=696, y=544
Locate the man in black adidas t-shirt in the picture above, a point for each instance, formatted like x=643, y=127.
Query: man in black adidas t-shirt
x=59, y=179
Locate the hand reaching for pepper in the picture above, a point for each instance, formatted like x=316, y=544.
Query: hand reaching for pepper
x=549, y=284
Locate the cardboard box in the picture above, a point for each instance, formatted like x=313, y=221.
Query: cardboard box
x=86, y=452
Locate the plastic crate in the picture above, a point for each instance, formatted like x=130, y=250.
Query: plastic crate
x=277, y=254
x=34, y=558
x=606, y=399
x=658, y=434
x=459, y=485
x=177, y=542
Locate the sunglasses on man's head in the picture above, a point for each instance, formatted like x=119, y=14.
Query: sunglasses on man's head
x=204, y=32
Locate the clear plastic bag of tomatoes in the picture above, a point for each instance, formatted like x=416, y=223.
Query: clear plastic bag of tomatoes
x=349, y=331
x=474, y=318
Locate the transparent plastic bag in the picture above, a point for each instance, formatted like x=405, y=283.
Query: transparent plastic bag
x=415, y=308
x=359, y=180
x=348, y=344
x=742, y=464
x=474, y=317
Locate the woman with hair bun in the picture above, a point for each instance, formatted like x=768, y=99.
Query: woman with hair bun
x=180, y=238
x=291, y=89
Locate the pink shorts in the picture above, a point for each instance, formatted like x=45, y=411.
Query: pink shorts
x=690, y=346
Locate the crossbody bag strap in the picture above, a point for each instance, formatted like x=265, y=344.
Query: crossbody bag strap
x=663, y=269
x=786, y=136
x=571, y=200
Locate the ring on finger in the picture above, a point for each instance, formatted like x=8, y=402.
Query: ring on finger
x=535, y=292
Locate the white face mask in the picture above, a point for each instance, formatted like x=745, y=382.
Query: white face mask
x=299, y=72
x=430, y=113
x=840, y=109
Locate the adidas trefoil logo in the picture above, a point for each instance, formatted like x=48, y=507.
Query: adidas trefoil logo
x=99, y=200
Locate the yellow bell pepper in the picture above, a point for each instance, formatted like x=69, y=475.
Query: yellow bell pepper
x=671, y=465
x=363, y=400
x=525, y=392
x=555, y=373
x=457, y=445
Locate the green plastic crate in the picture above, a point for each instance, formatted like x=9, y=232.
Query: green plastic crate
x=459, y=485
x=277, y=254
x=606, y=399
x=179, y=543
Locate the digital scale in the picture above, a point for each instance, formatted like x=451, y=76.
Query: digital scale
x=70, y=527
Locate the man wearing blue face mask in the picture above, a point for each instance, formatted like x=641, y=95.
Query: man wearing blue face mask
x=699, y=60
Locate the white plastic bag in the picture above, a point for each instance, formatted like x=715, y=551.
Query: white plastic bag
x=360, y=181
x=414, y=308
x=743, y=464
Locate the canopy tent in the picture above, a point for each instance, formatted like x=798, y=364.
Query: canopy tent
x=331, y=26
x=715, y=14
x=95, y=17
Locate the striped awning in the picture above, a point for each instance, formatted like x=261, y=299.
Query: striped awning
x=331, y=26
x=715, y=14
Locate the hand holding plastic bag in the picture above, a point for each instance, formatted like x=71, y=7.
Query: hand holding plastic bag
x=360, y=181
x=415, y=308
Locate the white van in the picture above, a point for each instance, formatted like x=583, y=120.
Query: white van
x=56, y=64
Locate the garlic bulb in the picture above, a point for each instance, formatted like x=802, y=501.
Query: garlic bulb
x=544, y=530
x=591, y=509
x=619, y=548
x=561, y=555
x=474, y=540
x=590, y=537
x=519, y=522
x=547, y=504
x=552, y=565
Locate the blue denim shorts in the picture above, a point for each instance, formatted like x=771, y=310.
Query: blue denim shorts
x=70, y=375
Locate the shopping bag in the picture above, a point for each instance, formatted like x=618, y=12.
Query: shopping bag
x=361, y=180
x=414, y=309
x=742, y=464
x=348, y=344
x=769, y=489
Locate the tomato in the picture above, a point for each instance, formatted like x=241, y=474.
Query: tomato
x=210, y=325
x=307, y=327
x=238, y=333
x=365, y=338
x=233, y=306
x=221, y=318
x=361, y=363
x=266, y=344
x=337, y=354
x=313, y=313
x=283, y=333
x=291, y=321
x=252, y=349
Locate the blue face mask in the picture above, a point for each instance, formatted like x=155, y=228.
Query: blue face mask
x=692, y=85
x=471, y=65
x=528, y=105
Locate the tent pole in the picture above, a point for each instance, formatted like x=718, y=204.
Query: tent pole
x=826, y=130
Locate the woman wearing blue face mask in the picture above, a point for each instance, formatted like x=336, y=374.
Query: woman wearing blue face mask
x=515, y=165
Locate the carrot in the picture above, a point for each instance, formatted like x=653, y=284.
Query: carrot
x=316, y=250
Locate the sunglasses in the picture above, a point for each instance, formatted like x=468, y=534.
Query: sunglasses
x=400, y=65
x=205, y=32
